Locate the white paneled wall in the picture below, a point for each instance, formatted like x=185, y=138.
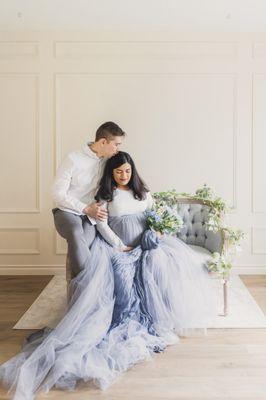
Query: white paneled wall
x=193, y=107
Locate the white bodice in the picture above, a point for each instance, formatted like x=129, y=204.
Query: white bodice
x=123, y=203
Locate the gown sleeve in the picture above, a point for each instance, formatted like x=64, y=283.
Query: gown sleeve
x=150, y=201
x=107, y=233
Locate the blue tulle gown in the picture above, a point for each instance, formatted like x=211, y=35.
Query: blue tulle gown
x=124, y=307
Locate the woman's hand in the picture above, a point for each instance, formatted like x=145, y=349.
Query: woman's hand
x=128, y=248
x=159, y=234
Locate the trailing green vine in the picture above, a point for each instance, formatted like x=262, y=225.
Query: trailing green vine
x=221, y=263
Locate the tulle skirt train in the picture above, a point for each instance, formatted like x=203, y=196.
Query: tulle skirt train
x=124, y=307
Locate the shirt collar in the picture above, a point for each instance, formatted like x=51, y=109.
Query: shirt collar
x=89, y=152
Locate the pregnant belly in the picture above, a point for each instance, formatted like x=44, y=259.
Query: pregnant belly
x=129, y=228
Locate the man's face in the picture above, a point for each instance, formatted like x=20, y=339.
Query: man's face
x=112, y=146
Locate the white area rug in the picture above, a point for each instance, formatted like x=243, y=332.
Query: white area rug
x=243, y=311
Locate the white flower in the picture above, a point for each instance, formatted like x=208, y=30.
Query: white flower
x=216, y=255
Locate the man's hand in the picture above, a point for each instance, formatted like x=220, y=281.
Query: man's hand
x=94, y=210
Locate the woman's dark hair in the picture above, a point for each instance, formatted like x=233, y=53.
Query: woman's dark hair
x=108, y=184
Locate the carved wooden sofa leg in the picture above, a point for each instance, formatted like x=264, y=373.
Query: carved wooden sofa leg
x=225, y=293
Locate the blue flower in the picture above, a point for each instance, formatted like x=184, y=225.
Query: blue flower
x=157, y=218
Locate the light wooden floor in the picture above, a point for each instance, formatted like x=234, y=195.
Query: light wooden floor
x=225, y=364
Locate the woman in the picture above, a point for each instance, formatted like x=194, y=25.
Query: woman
x=138, y=292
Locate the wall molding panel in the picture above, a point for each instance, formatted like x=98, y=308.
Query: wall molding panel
x=258, y=142
x=19, y=240
x=146, y=49
x=180, y=79
x=60, y=246
x=259, y=50
x=29, y=142
x=19, y=50
x=258, y=240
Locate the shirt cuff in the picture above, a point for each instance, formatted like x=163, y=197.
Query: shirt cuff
x=80, y=207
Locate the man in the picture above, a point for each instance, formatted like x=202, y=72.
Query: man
x=74, y=189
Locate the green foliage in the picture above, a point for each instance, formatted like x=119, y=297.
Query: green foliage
x=215, y=223
x=220, y=264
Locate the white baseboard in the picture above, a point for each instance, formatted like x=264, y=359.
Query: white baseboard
x=250, y=270
x=60, y=270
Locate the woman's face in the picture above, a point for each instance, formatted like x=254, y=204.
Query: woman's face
x=122, y=174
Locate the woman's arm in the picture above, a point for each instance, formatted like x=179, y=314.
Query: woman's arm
x=150, y=201
x=108, y=234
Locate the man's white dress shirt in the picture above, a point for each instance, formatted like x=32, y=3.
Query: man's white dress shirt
x=77, y=181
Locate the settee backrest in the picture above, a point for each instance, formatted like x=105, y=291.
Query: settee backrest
x=194, y=214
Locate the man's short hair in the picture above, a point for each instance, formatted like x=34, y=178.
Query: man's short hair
x=108, y=130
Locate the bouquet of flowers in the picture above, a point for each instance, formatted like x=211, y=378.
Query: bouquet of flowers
x=164, y=219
